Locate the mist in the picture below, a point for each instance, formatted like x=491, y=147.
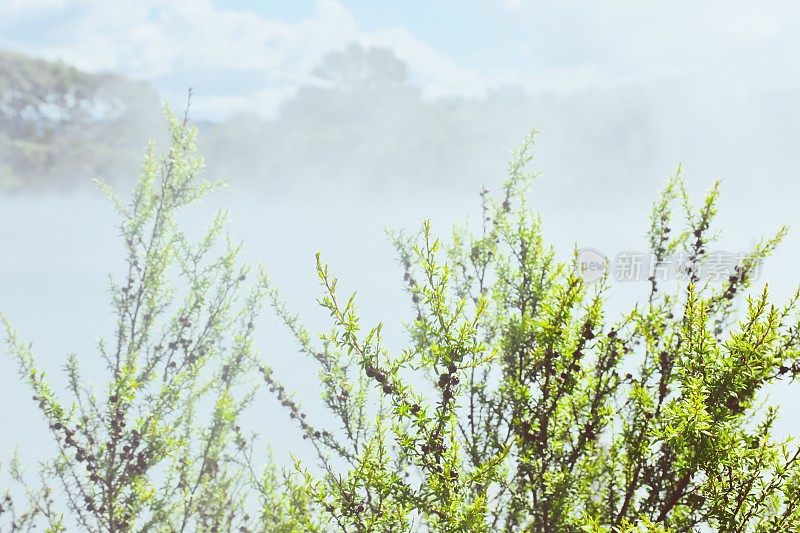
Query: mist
x=361, y=149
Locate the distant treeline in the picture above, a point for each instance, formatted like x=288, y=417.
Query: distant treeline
x=60, y=126
x=362, y=122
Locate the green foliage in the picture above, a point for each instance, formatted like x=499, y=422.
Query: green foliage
x=517, y=404
x=152, y=448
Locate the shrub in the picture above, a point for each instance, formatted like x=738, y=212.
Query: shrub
x=517, y=404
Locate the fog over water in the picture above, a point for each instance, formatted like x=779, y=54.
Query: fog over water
x=340, y=164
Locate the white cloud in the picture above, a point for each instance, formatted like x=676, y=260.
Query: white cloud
x=18, y=6
x=161, y=39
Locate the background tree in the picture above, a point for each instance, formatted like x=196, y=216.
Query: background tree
x=517, y=405
x=59, y=125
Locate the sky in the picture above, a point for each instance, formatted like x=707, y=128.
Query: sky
x=251, y=55
x=336, y=120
